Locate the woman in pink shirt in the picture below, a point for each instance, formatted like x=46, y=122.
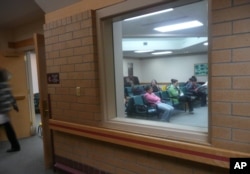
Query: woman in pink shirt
x=154, y=99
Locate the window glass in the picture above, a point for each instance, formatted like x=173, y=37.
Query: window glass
x=166, y=47
x=166, y=44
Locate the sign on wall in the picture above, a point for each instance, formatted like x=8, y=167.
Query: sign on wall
x=53, y=78
x=201, y=69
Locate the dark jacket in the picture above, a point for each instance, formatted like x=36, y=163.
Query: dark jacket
x=7, y=101
x=6, y=98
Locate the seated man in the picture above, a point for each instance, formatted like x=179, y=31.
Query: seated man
x=177, y=96
x=155, y=86
x=194, y=89
x=131, y=81
x=154, y=99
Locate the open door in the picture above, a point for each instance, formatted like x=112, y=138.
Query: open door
x=44, y=99
x=21, y=120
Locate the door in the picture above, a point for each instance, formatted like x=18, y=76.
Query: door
x=21, y=120
x=44, y=99
x=31, y=72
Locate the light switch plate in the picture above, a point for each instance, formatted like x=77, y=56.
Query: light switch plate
x=78, y=91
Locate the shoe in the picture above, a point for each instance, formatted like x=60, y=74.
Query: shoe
x=193, y=98
x=191, y=112
x=13, y=150
x=166, y=119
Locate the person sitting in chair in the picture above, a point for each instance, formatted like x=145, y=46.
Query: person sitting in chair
x=155, y=86
x=177, y=95
x=151, y=98
x=195, y=89
x=131, y=81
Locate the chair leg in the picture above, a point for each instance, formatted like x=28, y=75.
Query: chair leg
x=186, y=106
x=40, y=130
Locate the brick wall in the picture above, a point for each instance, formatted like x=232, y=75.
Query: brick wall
x=121, y=160
x=230, y=74
x=70, y=51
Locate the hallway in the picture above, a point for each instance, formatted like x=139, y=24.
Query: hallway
x=29, y=160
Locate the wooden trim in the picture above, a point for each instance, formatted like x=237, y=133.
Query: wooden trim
x=21, y=44
x=188, y=151
x=20, y=97
x=67, y=169
x=43, y=91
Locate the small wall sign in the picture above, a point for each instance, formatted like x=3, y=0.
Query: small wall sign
x=53, y=78
x=201, y=69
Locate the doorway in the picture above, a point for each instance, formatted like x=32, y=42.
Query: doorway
x=31, y=68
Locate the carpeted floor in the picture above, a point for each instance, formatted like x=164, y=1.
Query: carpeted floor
x=198, y=119
x=27, y=161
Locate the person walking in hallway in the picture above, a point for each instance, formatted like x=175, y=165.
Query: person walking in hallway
x=7, y=101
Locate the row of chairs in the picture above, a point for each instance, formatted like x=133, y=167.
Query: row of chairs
x=165, y=98
x=137, y=104
x=135, y=90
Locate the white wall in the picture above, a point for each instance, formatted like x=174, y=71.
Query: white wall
x=164, y=69
x=137, y=66
x=34, y=73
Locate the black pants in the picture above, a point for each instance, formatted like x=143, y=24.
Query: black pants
x=11, y=135
x=203, y=97
x=189, y=102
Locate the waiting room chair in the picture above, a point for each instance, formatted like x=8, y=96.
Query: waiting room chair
x=128, y=91
x=138, y=90
x=142, y=107
x=165, y=97
x=195, y=99
x=180, y=106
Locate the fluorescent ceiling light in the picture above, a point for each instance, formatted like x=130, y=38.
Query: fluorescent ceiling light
x=162, y=52
x=143, y=51
x=149, y=14
x=180, y=26
x=206, y=43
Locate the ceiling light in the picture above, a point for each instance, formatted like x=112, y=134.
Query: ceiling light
x=179, y=26
x=143, y=51
x=149, y=14
x=206, y=43
x=162, y=52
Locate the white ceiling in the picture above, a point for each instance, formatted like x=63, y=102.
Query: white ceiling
x=139, y=34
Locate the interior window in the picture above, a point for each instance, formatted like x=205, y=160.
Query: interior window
x=165, y=45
